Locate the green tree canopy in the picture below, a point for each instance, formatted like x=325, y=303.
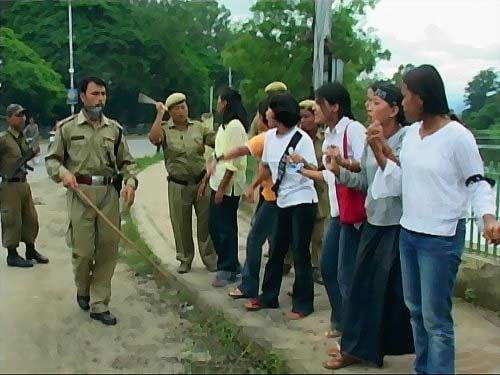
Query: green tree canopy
x=27, y=78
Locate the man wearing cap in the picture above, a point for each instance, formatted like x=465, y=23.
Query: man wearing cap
x=90, y=154
x=183, y=141
x=19, y=217
x=271, y=88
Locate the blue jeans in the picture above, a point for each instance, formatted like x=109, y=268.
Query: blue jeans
x=329, y=265
x=429, y=266
x=223, y=228
x=263, y=226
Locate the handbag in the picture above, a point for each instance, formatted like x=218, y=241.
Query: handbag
x=351, y=201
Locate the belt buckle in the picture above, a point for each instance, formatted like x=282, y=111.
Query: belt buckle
x=97, y=180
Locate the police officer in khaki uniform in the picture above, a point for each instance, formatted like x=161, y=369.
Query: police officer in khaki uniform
x=19, y=217
x=273, y=87
x=183, y=141
x=88, y=152
x=315, y=132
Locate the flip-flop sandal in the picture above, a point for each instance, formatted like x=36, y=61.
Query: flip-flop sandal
x=236, y=294
x=340, y=362
x=292, y=315
x=253, y=305
x=334, y=352
x=332, y=334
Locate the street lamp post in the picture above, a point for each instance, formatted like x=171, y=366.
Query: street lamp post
x=71, y=69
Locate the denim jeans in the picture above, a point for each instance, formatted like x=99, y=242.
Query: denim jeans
x=223, y=228
x=329, y=263
x=429, y=266
x=294, y=226
x=263, y=225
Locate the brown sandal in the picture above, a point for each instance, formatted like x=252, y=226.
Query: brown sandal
x=340, y=362
x=292, y=315
x=334, y=352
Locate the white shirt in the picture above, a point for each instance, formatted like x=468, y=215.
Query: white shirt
x=432, y=179
x=294, y=189
x=356, y=136
x=329, y=178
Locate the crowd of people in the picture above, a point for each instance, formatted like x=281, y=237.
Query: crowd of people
x=376, y=213
x=395, y=193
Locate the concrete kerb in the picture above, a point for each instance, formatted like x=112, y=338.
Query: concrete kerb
x=250, y=329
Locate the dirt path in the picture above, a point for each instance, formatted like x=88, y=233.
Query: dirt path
x=44, y=331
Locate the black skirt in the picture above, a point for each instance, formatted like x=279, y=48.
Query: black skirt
x=377, y=322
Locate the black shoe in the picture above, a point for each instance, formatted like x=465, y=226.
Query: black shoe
x=37, y=257
x=83, y=302
x=18, y=261
x=106, y=318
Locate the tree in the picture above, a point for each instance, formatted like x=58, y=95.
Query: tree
x=397, y=78
x=138, y=45
x=276, y=45
x=26, y=78
x=484, y=83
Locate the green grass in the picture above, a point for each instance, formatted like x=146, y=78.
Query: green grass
x=210, y=332
x=146, y=161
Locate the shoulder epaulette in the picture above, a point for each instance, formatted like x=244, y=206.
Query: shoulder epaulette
x=66, y=120
x=116, y=123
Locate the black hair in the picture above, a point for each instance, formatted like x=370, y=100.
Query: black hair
x=262, y=109
x=393, y=96
x=234, y=108
x=286, y=109
x=84, y=83
x=336, y=93
x=426, y=82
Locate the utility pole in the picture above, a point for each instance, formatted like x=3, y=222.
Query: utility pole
x=71, y=69
x=230, y=77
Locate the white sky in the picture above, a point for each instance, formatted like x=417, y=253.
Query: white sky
x=459, y=37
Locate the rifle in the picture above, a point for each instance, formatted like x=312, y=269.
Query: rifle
x=23, y=165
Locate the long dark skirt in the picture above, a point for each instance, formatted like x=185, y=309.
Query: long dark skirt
x=377, y=321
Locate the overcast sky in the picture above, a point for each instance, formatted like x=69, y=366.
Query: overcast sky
x=459, y=37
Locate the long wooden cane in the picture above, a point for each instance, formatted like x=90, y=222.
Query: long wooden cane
x=131, y=243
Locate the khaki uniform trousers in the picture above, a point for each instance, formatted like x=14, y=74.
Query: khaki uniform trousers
x=19, y=216
x=181, y=200
x=94, y=243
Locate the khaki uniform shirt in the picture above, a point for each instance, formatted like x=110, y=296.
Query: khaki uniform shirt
x=184, y=149
x=11, y=143
x=320, y=186
x=83, y=150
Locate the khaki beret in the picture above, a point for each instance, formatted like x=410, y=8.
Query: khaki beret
x=307, y=104
x=175, y=99
x=275, y=86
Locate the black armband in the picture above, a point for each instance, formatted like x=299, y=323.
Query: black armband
x=477, y=178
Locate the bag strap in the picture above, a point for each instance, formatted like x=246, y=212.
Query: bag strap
x=283, y=161
x=117, y=144
x=344, y=142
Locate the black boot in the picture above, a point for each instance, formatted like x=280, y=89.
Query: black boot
x=32, y=254
x=105, y=318
x=14, y=260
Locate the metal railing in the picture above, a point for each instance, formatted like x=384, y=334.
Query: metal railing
x=475, y=243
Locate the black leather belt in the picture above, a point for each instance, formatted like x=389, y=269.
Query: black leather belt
x=94, y=180
x=14, y=179
x=186, y=183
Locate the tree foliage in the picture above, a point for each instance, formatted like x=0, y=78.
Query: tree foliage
x=27, y=78
x=276, y=44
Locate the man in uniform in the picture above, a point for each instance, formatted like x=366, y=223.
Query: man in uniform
x=19, y=217
x=32, y=135
x=88, y=153
x=183, y=141
x=273, y=87
x=308, y=124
